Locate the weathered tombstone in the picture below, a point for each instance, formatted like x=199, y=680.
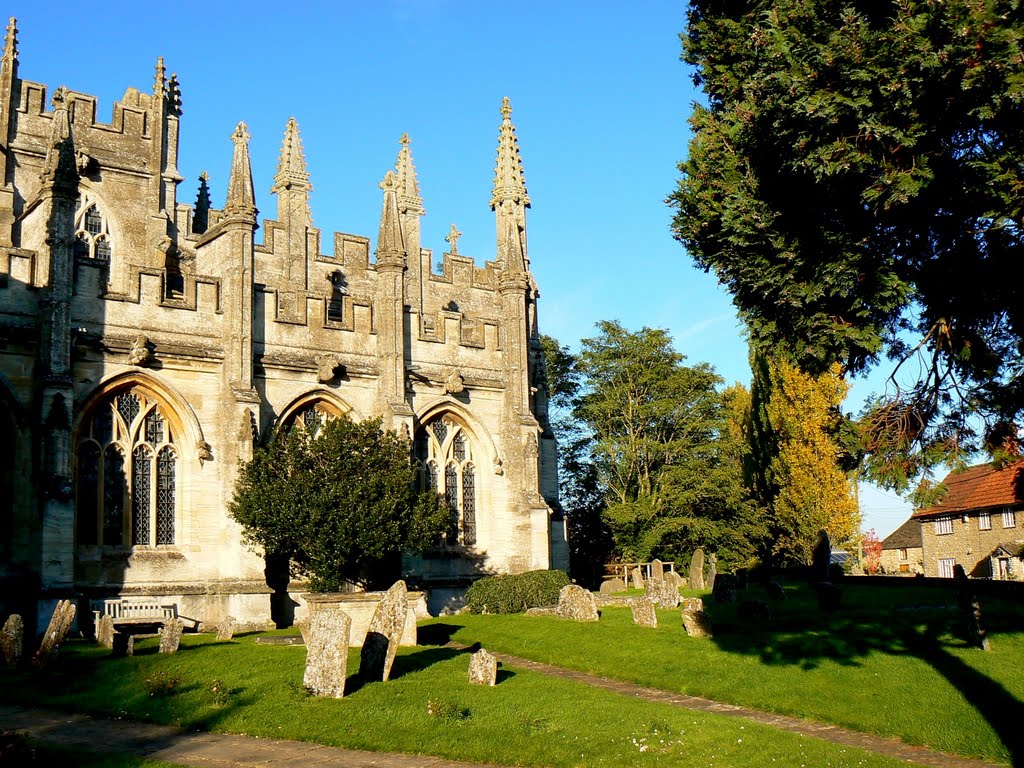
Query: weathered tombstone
x=697, y=569
x=754, y=610
x=821, y=559
x=123, y=644
x=327, y=652
x=610, y=586
x=483, y=668
x=644, y=614
x=775, y=591
x=657, y=570
x=170, y=636
x=384, y=634
x=12, y=639
x=970, y=627
x=638, y=578
x=696, y=624
x=712, y=571
x=226, y=629
x=105, y=631
x=576, y=603
x=725, y=588
x=693, y=604
x=56, y=631
x=663, y=595
x=674, y=580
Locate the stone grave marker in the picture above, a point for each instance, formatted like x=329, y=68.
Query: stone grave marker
x=644, y=614
x=638, y=578
x=327, y=652
x=969, y=626
x=663, y=595
x=725, y=588
x=60, y=622
x=712, y=571
x=226, y=629
x=696, y=624
x=483, y=668
x=170, y=636
x=576, y=603
x=12, y=639
x=610, y=586
x=123, y=644
x=105, y=631
x=384, y=634
x=673, y=579
x=693, y=604
x=697, y=569
x=657, y=570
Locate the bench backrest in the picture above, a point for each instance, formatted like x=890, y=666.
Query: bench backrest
x=138, y=609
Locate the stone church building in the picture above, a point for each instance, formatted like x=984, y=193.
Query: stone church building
x=147, y=345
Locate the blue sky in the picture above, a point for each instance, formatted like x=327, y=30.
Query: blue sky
x=599, y=96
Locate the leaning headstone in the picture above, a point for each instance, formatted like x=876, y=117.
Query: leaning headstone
x=821, y=559
x=105, y=631
x=696, y=624
x=123, y=644
x=662, y=594
x=170, y=636
x=327, y=652
x=657, y=570
x=644, y=614
x=638, y=578
x=576, y=603
x=970, y=627
x=697, y=569
x=692, y=604
x=56, y=631
x=673, y=579
x=725, y=588
x=12, y=639
x=384, y=634
x=712, y=571
x=483, y=668
x=226, y=629
x=611, y=586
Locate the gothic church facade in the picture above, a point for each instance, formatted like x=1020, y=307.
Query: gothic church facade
x=146, y=347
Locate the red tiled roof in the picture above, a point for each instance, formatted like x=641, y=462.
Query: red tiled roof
x=980, y=487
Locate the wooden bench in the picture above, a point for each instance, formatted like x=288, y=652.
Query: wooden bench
x=135, y=613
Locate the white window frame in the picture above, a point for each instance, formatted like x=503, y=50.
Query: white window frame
x=946, y=566
x=984, y=521
x=1009, y=518
x=943, y=525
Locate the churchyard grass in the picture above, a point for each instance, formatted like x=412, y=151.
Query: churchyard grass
x=885, y=664
x=527, y=719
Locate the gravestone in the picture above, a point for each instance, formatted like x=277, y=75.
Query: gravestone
x=661, y=594
x=123, y=644
x=226, y=629
x=170, y=635
x=327, y=652
x=725, y=588
x=105, y=631
x=754, y=610
x=384, y=634
x=611, y=586
x=775, y=590
x=657, y=570
x=697, y=569
x=692, y=604
x=969, y=627
x=644, y=614
x=576, y=603
x=56, y=631
x=12, y=639
x=638, y=578
x=674, y=580
x=821, y=559
x=483, y=668
x=696, y=624
x=712, y=571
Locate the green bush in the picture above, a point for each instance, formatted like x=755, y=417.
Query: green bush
x=516, y=592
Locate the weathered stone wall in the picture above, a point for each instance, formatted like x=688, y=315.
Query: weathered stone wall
x=968, y=545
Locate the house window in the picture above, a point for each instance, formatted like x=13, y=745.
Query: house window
x=984, y=521
x=1009, y=518
x=92, y=232
x=903, y=553
x=946, y=568
x=126, y=478
x=444, y=443
x=943, y=525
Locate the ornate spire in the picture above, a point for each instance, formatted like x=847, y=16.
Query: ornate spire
x=291, y=167
x=509, y=182
x=390, y=245
x=409, y=200
x=59, y=165
x=11, y=41
x=159, y=80
x=174, y=96
x=201, y=217
x=241, y=198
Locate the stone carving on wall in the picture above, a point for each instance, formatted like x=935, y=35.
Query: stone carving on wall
x=499, y=466
x=454, y=383
x=141, y=352
x=204, y=451
x=328, y=368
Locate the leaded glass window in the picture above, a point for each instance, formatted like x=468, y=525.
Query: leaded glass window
x=444, y=442
x=92, y=231
x=312, y=417
x=166, y=466
x=468, y=505
x=142, y=474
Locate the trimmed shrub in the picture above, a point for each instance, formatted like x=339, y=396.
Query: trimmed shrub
x=515, y=593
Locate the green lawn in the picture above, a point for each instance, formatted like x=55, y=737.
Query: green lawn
x=527, y=719
x=885, y=664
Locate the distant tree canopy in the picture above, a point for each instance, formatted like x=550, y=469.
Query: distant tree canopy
x=339, y=504
x=856, y=181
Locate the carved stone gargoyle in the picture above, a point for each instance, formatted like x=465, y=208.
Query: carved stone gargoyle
x=141, y=352
x=454, y=383
x=328, y=368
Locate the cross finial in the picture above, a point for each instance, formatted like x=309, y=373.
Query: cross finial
x=241, y=133
x=404, y=141
x=506, y=108
x=453, y=238
x=204, y=176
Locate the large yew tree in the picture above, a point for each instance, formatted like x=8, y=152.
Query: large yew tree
x=856, y=181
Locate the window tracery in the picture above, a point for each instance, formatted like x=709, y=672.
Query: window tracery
x=312, y=416
x=125, y=452
x=442, y=442
x=92, y=231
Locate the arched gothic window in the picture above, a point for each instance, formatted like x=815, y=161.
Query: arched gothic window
x=312, y=416
x=127, y=474
x=92, y=231
x=444, y=456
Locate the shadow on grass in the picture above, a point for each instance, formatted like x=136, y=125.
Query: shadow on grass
x=437, y=634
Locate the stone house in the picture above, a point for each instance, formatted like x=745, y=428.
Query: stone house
x=979, y=524
x=146, y=346
x=901, y=549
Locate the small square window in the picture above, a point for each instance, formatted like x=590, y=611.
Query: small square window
x=943, y=525
x=984, y=521
x=1009, y=518
x=946, y=566
x=903, y=553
